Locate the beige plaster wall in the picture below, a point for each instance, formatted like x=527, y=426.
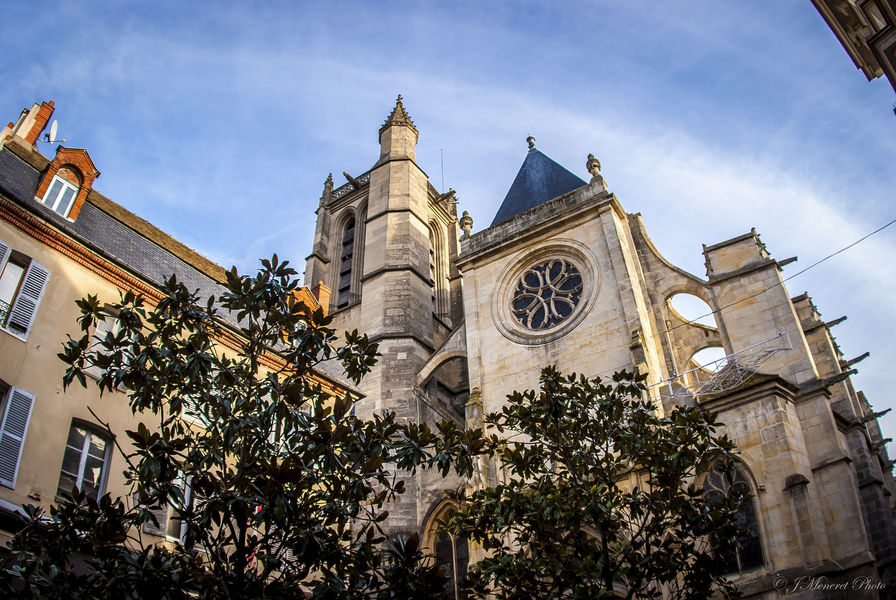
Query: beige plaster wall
x=33, y=366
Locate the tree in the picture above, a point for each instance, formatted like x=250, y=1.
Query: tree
x=280, y=489
x=599, y=494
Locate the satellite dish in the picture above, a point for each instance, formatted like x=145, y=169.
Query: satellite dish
x=50, y=138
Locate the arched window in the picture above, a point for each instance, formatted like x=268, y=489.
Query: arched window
x=452, y=553
x=344, y=284
x=748, y=547
x=61, y=194
x=358, y=257
x=452, y=556
x=432, y=270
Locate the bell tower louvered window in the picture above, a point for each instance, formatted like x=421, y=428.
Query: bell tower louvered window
x=344, y=287
x=432, y=272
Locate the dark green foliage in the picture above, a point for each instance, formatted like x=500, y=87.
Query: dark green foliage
x=598, y=493
x=288, y=487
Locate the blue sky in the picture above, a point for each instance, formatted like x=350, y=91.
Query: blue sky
x=219, y=122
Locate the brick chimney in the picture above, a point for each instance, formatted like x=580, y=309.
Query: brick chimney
x=30, y=124
x=322, y=293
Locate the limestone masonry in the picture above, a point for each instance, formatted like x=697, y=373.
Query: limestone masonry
x=565, y=276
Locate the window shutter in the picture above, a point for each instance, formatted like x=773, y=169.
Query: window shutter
x=4, y=253
x=161, y=515
x=12, y=434
x=102, y=327
x=24, y=307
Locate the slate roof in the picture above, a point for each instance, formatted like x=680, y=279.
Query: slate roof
x=113, y=237
x=539, y=179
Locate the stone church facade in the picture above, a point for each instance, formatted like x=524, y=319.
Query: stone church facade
x=565, y=276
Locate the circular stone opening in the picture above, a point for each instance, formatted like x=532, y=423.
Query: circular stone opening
x=545, y=292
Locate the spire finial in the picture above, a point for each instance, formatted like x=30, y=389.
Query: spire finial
x=593, y=166
x=531, y=141
x=398, y=116
x=328, y=190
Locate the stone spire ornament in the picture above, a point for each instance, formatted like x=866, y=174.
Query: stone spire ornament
x=399, y=116
x=328, y=190
x=593, y=166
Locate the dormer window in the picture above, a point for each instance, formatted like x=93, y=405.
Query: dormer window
x=61, y=196
x=67, y=182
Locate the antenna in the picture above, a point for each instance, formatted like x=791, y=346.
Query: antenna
x=442, y=160
x=51, y=138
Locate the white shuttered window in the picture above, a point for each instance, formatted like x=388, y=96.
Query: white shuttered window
x=16, y=415
x=22, y=285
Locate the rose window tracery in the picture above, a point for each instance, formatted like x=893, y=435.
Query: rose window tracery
x=546, y=294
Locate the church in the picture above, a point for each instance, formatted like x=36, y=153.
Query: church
x=563, y=275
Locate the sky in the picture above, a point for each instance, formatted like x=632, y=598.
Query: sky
x=219, y=121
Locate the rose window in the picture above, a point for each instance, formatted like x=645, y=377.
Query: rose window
x=546, y=294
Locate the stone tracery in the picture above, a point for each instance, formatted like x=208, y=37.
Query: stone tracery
x=546, y=294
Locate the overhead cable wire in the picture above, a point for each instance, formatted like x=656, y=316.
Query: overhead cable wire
x=780, y=283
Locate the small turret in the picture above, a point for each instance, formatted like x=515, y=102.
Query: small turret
x=398, y=135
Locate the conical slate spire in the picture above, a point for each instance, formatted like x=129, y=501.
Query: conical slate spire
x=399, y=116
x=539, y=179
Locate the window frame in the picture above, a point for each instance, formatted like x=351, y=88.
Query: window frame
x=166, y=512
x=91, y=430
x=101, y=328
x=436, y=538
x=345, y=273
x=64, y=184
x=173, y=512
x=15, y=258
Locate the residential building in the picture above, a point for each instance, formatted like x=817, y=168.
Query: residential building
x=61, y=240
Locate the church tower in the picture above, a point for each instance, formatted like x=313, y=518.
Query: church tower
x=385, y=246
